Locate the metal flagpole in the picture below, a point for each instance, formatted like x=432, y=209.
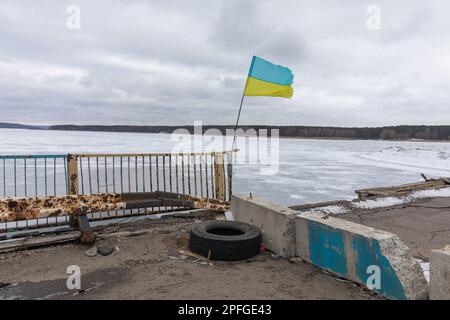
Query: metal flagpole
x=240, y=109
x=238, y=117
x=231, y=161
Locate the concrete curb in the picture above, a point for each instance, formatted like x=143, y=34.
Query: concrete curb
x=440, y=274
x=344, y=248
x=275, y=222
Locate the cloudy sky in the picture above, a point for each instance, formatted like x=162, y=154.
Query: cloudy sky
x=175, y=62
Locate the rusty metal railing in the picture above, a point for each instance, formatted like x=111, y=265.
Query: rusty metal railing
x=33, y=175
x=190, y=174
x=202, y=175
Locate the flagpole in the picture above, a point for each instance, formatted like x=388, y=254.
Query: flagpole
x=231, y=161
x=238, y=117
x=240, y=109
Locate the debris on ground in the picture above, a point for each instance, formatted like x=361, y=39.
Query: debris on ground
x=105, y=249
x=91, y=252
x=191, y=254
x=144, y=270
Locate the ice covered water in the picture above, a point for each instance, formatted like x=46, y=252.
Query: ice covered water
x=309, y=170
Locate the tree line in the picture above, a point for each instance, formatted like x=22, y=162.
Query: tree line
x=406, y=132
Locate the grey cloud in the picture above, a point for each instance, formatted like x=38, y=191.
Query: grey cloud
x=174, y=62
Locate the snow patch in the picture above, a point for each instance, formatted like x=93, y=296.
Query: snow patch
x=422, y=154
x=443, y=192
x=379, y=203
x=425, y=269
x=329, y=210
x=395, y=201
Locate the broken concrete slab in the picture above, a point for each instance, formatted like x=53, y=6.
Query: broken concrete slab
x=440, y=274
x=275, y=222
x=357, y=252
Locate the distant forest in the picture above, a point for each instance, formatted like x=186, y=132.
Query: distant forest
x=424, y=132
x=383, y=133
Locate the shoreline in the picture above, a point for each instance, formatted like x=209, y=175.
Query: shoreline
x=281, y=137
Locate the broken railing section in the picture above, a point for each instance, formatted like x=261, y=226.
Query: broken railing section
x=14, y=209
x=137, y=176
x=78, y=206
x=202, y=175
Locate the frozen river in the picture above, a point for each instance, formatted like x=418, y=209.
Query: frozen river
x=309, y=170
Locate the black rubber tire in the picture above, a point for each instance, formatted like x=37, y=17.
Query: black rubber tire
x=241, y=246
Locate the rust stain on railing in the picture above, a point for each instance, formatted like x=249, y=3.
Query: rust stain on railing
x=16, y=209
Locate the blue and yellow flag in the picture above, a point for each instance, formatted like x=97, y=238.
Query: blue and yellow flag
x=268, y=79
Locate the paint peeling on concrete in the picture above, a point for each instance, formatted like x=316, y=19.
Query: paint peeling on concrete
x=327, y=248
x=368, y=253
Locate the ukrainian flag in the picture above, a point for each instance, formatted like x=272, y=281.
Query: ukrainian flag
x=268, y=79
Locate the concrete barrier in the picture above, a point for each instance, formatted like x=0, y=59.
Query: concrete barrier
x=376, y=259
x=440, y=274
x=357, y=252
x=275, y=222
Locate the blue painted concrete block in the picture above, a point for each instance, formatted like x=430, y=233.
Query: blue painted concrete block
x=368, y=253
x=327, y=248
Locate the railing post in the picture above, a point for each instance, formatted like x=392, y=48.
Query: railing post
x=79, y=222
x=219, y=176
x=72, y=174
x=72, y=180
x=230, y=180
